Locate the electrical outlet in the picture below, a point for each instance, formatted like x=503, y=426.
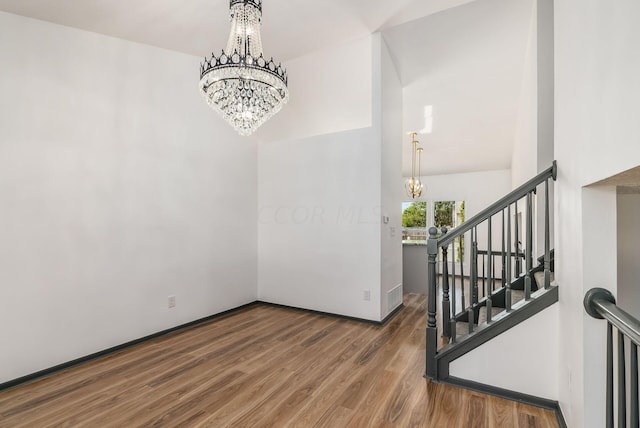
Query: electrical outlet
x=366, y=295
x=172, y=301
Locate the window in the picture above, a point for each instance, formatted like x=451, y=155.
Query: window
x=414, y=222
x=450, y=214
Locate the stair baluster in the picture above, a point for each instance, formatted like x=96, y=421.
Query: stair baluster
x=484, y=276
x=503, y=257
x=446, y=304
x=453, y=279
x=530, y=229
x=609, y=411
x=517, y=242
x=474, y=266
x=507, y=297
x=489, y=271
x=452, y=321
x=635, y=412
x=528, y=250
x=547, y=251
x=622, y=389
x=463, y=306
x=493, y=273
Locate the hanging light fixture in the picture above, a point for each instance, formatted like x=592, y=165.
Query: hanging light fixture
x=414, y=185
x=240, y=84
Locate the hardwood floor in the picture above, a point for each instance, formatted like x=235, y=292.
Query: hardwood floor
x=266, y=367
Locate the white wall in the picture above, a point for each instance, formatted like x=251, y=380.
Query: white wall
x=330, y=92
x=524, y=160
x=533, y=143
x=545, y=82
x=319, y=223
x=389, y=114
x=597, y=136
x=520, y=359
x=118, y=187
x=628, y=209
x=322, y=194
x=414, y=269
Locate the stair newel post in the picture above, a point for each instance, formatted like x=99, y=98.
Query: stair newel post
x=446, y=303
x=507, y=297
x=432, y=327
x=528, y=249
x=503, y=258
x=474, y=266
x=489, y=270
x=517, y=242
x=547, y=251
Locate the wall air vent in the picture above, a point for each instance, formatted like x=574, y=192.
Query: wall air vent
x=394, y=297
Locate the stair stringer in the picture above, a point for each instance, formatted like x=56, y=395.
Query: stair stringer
x=483, y=335
x=522, y=359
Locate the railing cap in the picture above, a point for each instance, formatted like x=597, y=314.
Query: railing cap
x=592, y=295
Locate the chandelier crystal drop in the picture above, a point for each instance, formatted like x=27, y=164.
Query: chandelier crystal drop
x=414, y=185
x=241, y=84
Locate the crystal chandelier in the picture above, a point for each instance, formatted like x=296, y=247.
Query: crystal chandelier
x=413, y=185
x=240, y=84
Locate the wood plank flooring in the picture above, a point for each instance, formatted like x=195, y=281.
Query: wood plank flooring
x=266, y=367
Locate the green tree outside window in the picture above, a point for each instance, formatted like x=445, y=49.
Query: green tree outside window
x=415, y=215
x=450, y=214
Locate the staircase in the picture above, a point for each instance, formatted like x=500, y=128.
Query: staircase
x=503, y=287
x=467, y=323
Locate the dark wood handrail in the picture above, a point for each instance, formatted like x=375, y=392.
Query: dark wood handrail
x=599, y=303
x=499, y=205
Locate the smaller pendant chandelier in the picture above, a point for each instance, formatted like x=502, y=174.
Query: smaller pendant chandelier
x=414, y=185
x=241, y=84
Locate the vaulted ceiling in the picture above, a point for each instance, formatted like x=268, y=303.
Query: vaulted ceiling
x=469, y=70
x=462, y=59
x=290, y=28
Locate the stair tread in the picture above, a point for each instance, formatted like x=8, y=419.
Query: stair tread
x=482, y=316
x=462, y=328
x=516, y=296
x=539, y=278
